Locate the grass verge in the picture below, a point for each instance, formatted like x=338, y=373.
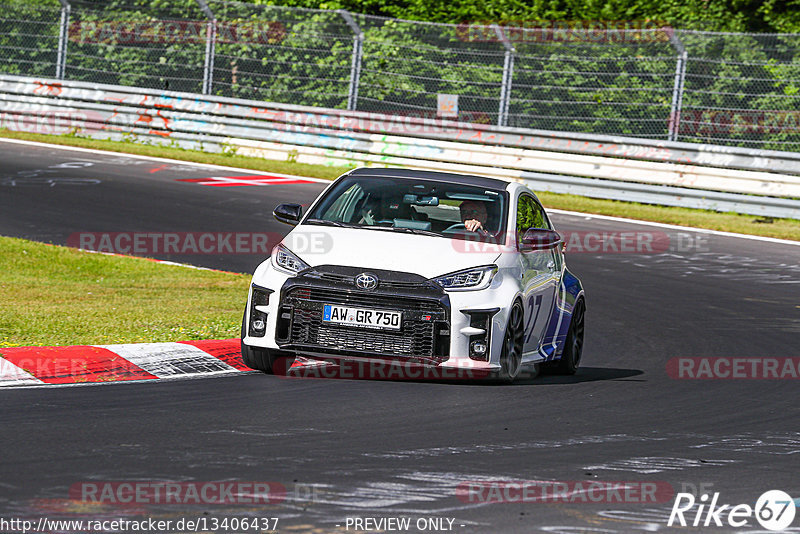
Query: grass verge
x=51, y=295
x=726, y=222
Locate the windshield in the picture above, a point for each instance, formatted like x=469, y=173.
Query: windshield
x=414, y=206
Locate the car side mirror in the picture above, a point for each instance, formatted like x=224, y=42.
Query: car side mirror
x=288, y=213
x=539, y=239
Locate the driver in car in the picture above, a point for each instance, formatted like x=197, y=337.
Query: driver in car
x=474, y=216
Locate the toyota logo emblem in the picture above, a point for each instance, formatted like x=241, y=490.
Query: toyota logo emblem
x=366, y=281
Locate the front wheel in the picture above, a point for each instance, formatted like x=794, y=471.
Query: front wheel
x=573, y=345
x=511, y=353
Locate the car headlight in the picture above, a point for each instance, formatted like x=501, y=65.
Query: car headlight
x=286, y=260
x=468, y=279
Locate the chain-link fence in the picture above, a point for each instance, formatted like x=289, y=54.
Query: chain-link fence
x=641, y=81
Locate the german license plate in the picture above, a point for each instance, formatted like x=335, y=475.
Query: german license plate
x=361, y=317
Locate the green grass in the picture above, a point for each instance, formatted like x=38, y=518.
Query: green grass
x=51, y=295
x=726, y=222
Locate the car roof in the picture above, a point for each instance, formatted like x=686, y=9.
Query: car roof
x=466, y=179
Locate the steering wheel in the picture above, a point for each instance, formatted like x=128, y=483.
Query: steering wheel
x=368, y=218
x=456, y=228
x=462, y=228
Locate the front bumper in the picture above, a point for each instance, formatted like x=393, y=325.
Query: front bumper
x=437, y=326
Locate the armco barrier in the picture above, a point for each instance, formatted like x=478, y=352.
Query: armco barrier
x=722, y=178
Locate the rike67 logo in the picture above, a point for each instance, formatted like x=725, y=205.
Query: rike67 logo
x=774, y=510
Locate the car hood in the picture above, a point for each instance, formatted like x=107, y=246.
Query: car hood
x=428, y=256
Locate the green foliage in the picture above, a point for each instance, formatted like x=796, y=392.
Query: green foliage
x=228, y=150
x=739, y=88
x=781, y=15
x=529, y=215
x=709, y=15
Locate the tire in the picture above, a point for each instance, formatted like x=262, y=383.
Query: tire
x=573, y=345
x=511, y=353
x=264, y=360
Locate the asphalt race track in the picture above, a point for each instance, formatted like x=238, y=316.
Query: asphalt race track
x=379, y=449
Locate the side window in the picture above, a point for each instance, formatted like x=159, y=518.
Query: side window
x=342, y=208
x=529, y=215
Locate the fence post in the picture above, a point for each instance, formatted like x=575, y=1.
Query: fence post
x=677, y=88
x=63, y=34
x=355, y=63
x=508, y=75
x=211, y=43
x=681, y=91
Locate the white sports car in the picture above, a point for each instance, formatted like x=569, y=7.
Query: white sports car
x=414, y=267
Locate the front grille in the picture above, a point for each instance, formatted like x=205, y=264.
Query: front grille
x=362, y=299
x=386, y=284
x=424, y=332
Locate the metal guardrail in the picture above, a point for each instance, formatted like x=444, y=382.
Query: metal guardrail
x=700, y=176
